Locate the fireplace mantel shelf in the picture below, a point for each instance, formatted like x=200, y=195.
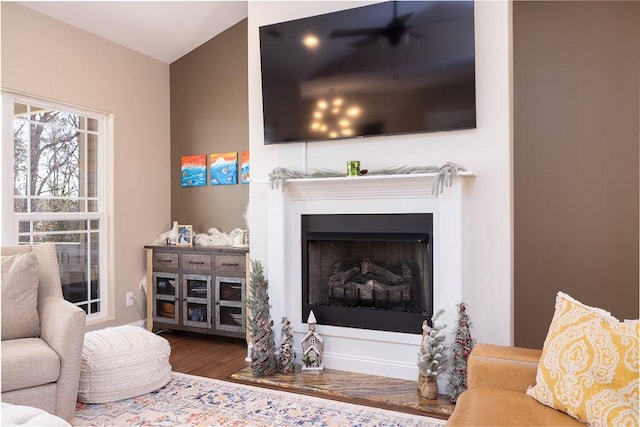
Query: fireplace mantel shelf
x=346, y=178
x=374, y=177
x=365, y=186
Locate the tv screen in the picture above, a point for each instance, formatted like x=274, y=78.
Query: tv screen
x=387, y=68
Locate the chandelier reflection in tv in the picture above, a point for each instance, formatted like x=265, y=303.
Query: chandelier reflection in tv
x=405, y=67
x=334, y=118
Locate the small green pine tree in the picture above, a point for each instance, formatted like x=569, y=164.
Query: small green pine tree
x=263, y=353
x=461, y=348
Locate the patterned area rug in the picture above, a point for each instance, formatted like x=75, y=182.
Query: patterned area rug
x=196, y=401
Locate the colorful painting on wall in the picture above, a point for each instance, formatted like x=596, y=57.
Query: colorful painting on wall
x=223, y=169
x=193, y=171
x=244, y=168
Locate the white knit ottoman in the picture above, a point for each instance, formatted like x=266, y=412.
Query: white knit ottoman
x=122, y=362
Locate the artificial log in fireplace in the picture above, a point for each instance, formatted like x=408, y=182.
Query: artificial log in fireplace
x=368, y=271
x=369, y=283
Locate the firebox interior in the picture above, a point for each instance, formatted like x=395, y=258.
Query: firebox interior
x=368, y=271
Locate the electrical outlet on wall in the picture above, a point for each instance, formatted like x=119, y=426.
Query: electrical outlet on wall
x=129, y=299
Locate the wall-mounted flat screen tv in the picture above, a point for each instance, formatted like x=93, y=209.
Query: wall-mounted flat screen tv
x=387, y=68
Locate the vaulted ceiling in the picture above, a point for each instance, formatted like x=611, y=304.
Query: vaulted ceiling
x=164, y=30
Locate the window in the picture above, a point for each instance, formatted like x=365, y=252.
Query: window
x=59, y=191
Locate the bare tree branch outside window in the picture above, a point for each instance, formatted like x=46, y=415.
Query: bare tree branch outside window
x=56, y=193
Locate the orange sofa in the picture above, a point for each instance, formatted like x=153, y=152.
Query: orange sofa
x=497, y=380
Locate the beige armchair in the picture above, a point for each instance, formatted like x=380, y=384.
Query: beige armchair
x=41, y=367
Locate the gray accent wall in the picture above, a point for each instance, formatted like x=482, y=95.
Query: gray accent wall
x=209, y=114
x=576, y=115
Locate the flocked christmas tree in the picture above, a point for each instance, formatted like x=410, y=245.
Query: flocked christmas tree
x=460, y=349
x=263, y=354
x=432, y=358
x=287, y=355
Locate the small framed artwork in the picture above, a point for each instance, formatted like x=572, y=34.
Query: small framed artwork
x=244, y=167
x=185, y=235
x=193, y=170
x=223, y=169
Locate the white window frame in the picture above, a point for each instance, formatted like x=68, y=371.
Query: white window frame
x=10, y=219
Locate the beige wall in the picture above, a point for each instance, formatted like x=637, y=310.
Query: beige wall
x=209, y=114
x=46, y=58
x=576, y=154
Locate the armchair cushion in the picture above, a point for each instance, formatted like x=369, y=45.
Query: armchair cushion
x=20, y=280
x=590, y=365
x=28, y=362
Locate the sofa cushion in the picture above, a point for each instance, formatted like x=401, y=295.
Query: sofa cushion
x=590, y=365
x=487, y=406
x=28, y=362
x=20, y=279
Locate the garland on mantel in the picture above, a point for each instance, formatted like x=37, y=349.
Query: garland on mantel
x=278, y=178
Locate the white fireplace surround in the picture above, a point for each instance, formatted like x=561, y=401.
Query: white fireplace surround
x=373, y=352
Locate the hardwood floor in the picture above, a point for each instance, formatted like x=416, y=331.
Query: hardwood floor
x=220, y=358
x=206, y=355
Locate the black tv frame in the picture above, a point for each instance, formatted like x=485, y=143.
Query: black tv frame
x=444, y=77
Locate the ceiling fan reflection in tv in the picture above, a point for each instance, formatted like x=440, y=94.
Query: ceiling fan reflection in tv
x=404, y=67
x=393, y=33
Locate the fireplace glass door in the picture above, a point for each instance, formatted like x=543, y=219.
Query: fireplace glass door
x=368, y=271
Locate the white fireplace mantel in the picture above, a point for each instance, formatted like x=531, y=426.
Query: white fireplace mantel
x=366, y=186
x=374, y=352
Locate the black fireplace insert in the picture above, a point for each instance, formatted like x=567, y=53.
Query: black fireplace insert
x=368, y=271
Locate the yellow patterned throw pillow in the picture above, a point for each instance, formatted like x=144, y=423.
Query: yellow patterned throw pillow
x=590, y=366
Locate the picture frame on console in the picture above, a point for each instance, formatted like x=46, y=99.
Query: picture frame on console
x=185, y=235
